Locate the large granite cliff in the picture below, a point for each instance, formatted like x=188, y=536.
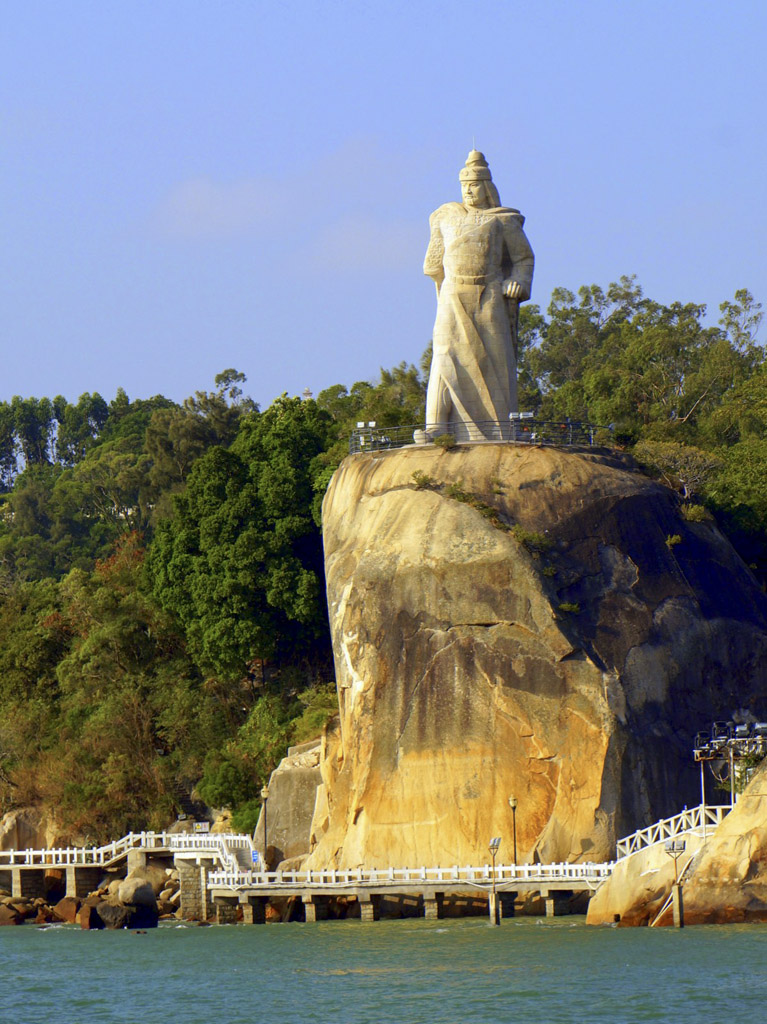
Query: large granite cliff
x=512, y=620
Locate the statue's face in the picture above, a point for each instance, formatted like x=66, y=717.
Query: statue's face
x=475, y=194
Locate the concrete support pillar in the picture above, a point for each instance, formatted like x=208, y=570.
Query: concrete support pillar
x=136, y=859
x=27, y=882
x=315, y=907
x=253, y=909
x=557, y=903
x=494, y=907
x=677, y=905
x=368, y=907
x=433, y=905
x=193, y=878
x=507, y=900
x=226, y=909
x=82, y=880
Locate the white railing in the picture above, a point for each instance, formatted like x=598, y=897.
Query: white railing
x=482, y=876
x=224, y=846
x=693, y=819
x=220, y=845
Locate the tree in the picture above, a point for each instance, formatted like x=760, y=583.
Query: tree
x=78, y=426
x=33, y=422
x=683, y=467
x=240, y=562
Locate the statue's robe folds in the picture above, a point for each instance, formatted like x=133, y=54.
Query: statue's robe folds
x=473, y=379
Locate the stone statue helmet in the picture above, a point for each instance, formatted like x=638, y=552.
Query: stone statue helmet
x=477, y=185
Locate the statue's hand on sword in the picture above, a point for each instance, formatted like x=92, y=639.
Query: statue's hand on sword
x=513, y=290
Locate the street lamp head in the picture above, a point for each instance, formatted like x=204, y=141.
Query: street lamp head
x=264, y=792
x=513, y=803
x=494, y=844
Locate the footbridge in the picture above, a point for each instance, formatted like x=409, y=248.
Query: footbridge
x=220, y=878
x=23, y=872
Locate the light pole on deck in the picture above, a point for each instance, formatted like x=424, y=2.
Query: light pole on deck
x=513, y=806
x=264, y=802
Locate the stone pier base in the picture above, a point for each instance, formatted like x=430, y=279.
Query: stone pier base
x=80, y=881
x=226, y=909
x=253, y=909
x=369, y=908
x=196, y=904
x=315, y=907
x=433, y=906
x=27, y=882
x=557, y=903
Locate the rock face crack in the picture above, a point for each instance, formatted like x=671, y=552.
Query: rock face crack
x=416, y=688
x=482, y=625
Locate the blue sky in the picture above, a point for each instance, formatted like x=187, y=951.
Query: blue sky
x=189, y=186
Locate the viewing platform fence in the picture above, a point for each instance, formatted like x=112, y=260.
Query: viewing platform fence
x=372, y=438
x=692, y=819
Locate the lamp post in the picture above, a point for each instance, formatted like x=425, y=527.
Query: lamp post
x=264, y=801
x=675, y=848
x=513, y=806
x=495, y=917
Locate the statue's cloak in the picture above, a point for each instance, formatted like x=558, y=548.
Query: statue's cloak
x=471, y=253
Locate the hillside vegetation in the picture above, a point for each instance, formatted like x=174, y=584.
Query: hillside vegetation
x=162, y=612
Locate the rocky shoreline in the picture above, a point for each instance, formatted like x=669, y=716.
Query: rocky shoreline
x=148, y=895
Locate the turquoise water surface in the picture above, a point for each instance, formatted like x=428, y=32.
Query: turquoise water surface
x=410, y=971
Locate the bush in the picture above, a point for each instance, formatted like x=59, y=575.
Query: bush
x=320, y=705
x=445, y=441
x=537, y=542
x=421, y=480
x=696, y=513
x=571, y=607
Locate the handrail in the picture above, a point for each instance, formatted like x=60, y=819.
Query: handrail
x=372, y=438
x=221, y=844
x=391, y=877
x=688, y=820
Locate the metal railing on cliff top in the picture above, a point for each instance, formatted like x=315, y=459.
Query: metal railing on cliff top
x=370, y=437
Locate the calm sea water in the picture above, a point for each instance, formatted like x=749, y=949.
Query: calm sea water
x=411, y=972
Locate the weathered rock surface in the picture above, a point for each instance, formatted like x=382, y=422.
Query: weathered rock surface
x=472, y=667
x=639, y=886
x=28, y=828
x=724, y=879
x=292, y=797
x=728, y=879
x=138, y=891
x=8, y=915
